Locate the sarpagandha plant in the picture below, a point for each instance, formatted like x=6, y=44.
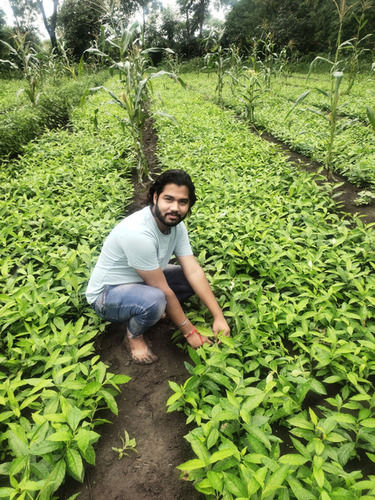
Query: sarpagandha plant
x=127, y=57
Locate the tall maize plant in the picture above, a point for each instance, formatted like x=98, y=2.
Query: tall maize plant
x=333, y=95
x=127, y=57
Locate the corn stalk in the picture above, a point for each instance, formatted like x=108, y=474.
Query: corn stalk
x=127, y=57
x=333, y=95
x=26, y=60
x=218, y=59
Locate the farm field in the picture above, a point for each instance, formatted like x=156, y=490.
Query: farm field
x=306, y=129
x=282, y=409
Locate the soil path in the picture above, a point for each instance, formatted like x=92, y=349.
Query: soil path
x=150, y=472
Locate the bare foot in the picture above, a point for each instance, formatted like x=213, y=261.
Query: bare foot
x=195, y=339
x=139, y=350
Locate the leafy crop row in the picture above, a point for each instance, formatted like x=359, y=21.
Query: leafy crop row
x=307, y=132
x=285, y=407
x=11, y=94
x=25, y=122
x=354, y=105
x=57, y=202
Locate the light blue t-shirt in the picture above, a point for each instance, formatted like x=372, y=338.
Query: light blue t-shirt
x=136, y=243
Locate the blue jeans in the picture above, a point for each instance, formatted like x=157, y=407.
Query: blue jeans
x=141, y=305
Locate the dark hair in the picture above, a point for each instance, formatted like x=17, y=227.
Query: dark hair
x=175, y=176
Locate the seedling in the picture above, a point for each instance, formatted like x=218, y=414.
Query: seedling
x=127, y=445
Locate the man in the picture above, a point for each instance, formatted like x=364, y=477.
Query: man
x=132, y=279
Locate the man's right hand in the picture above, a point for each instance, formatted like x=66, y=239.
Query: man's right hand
x=193, y=337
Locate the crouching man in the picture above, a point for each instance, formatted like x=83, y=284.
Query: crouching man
x=133, y=280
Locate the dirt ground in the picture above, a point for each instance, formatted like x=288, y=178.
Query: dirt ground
x=150, y=472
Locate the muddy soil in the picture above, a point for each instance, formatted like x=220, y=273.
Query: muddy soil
x=150, y=471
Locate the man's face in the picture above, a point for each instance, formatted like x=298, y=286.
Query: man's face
x=171, y=206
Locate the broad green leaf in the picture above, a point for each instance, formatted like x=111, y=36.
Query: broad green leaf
x=368, y=422
x=299, y=491
x=250, y=404
x=172, y=399
x=345, y=452
x=53, y=481
x=7, y=492
x=43, y=447
x=212, y=438
x=91, y=388
x=62, y=435
x=293, y=459
x=18, y=465
x=332, y=379
x=260, y=435
x=175, y=387
x=344, y=418
x=220, y=379
x=276, y=480
x=234, y=484
x=120, y=379
x=110, y=400
x=216, y=480
x=199, y=449
x=194, y=464
x=85, y=437
x=319, y=476
x=75, y=415
x=301, y=423
x=221, y=455
x=19, y=447
x=74, y=464
x=5, y=415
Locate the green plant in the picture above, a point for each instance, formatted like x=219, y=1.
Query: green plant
x=371, y=116
x=249, y=89
x=127, y=445
x=28, y=62
x=52, y=384
x=218, y=58
x=269, y=60
x=336, y=76
x=364, y=198
x=355, y=47
x=132, y=64
x=284, y=407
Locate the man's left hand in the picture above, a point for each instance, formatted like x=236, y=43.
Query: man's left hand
x=221, y=326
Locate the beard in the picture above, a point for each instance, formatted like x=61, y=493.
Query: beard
x=162, y=218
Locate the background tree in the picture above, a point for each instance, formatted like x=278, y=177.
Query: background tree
x=6, y=34
x=79, y=24
x=49, y=23
x=310, y=26
x=25, y=13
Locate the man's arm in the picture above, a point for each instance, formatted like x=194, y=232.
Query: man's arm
x=198, y=281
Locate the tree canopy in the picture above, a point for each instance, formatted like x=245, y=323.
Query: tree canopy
x=306, y=25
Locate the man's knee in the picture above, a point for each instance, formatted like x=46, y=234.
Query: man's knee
x=156, y=303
